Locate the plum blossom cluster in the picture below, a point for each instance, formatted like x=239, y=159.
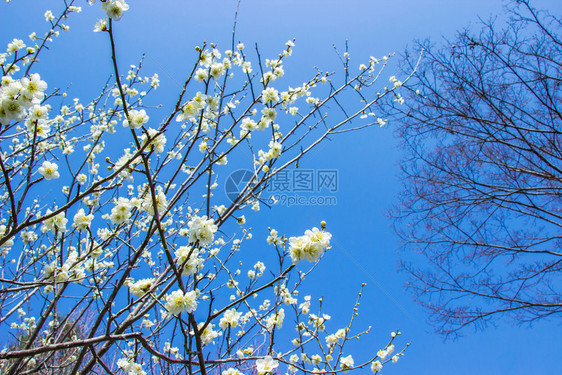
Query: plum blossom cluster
x=20, y=99
x=114, y=233
x=178, y=302
x=309, y=246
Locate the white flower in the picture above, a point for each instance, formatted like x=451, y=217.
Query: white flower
x=38, y=112
x=331, y=340
x=15, y=45
x=178, y=302
x=11, y=109
x=136, y=119
x=82, y=178
x=81, y=220
x=189, y=258
x=28, y=236
x=55, y=223
x=33, y=88
x=266, y=365
x=346, y=362
x=217, y=69
x=161, y=203
x=269, y=114
x=129, y=367
x=40, y=127
x=270, y=95
x=274, y=150
x=154, y=81
x=201, y=74
x=230, y=319
x=376, y=366
x=201, y=230
x=383, y=353
x=101, y=25
x=49, y=170
x=158, y=141
x=231, y=371
x=121, y=212
x=203, y=146
x=247, y=67
x=141, y=287
x=275, y=320
x=341, y=333
x=222, y=160
x=208, y=334
x=8, y=243
x=310, y=246
x=115, y=8
x=49, y=16
x=124, y=364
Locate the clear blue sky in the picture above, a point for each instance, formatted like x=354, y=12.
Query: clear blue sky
x=367, y=162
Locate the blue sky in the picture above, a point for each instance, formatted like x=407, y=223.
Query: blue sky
x=366, y=162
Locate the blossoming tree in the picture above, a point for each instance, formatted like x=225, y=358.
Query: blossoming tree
x=130, y=264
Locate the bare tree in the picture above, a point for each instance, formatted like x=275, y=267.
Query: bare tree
x=482, y=173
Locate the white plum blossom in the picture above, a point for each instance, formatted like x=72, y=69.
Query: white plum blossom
x=310, y=246
x=270, y=95
x=275, y=320
x=11, y=109
x=130, y=367
x=201, y=74
x=54, y=223
x=157, y=143
x=137, y=118
x=266, y=365
x=376, y=366
x=33, y=88
x=217, y=70
x=189, y=258
x=208, y=334
x=161, y=202
x=81, y=220
x=383, y=353
x=230, y=319
x=38, y=112
x=41, y=127
x=7, y=243
x=49, y=16
x=121, y=212
x=346, y=362
x=178, y=302
x=274, y=150
x=82, y=178
x=141, y=287
x=115, y=8
x=15, y=45
x=28, y=236
x=201, y=230
x=101, y=25
x=49, y=170
x=231, y=371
